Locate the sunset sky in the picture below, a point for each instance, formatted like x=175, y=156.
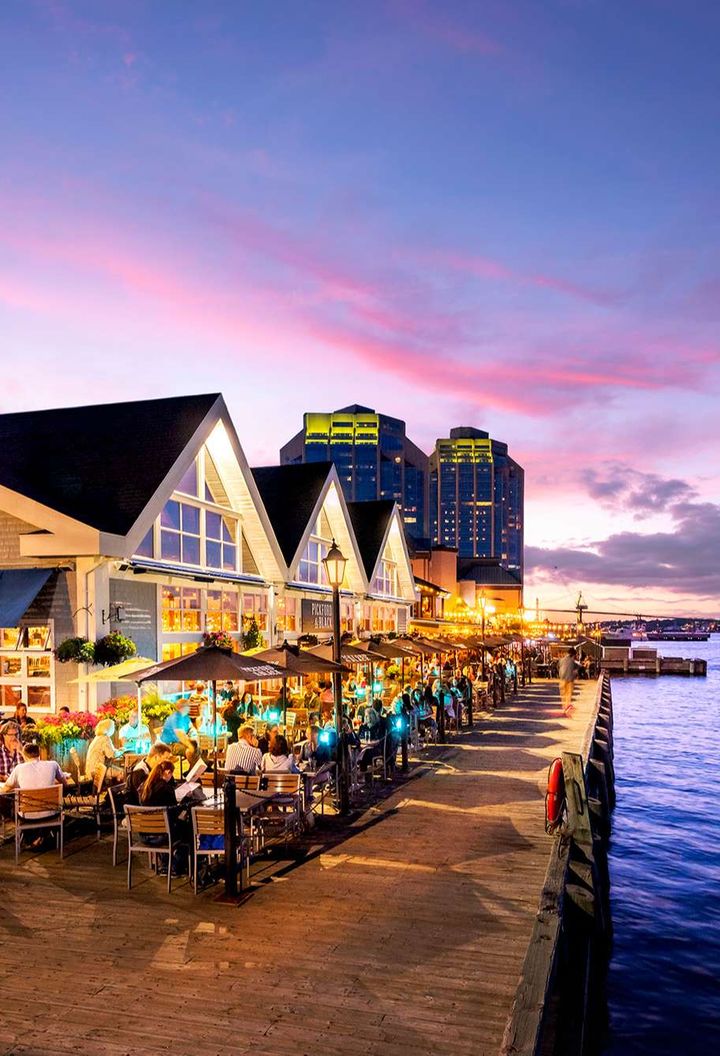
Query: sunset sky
x=500, y=213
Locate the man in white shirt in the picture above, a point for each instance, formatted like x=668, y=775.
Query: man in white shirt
x=35, y=773
x=244, y=755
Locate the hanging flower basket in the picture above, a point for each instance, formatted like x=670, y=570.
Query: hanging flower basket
x=219, y=639
x=75, y=650
x=114, y=648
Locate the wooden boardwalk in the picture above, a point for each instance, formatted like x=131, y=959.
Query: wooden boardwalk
x=405, y=935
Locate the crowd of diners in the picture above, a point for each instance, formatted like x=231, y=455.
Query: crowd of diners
x=253, y=741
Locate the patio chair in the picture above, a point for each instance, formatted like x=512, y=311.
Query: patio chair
x=379, y=767
x=82, y=798
x=29, y=803
x=117, y=795
x=149, y=821
x=286, y=810
x=208, y=821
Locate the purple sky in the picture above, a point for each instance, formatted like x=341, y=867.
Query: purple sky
x=502, y=214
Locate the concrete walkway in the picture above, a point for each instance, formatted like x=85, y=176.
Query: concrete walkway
x=405, y=936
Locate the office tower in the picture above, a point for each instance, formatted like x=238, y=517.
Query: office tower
x=476, y=498
x=373, y=456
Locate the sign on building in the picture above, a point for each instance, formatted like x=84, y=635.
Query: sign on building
x=316, y=615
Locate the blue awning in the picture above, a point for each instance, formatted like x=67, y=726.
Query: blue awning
x=18, y=589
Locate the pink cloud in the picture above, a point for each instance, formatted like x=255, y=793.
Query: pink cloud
x=430, y=20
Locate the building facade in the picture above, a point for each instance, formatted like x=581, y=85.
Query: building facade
x=373, y=456
x=145, y=518
x=476, y=497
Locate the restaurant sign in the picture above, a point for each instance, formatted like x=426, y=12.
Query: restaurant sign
x=316, y=615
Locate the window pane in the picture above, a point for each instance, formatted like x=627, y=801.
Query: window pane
x=190, y=550
x=189, y=483
x=145, y=549
x=170, y=516
x=230, y=621
x=191, y=598
x=229, y=558
x=212, y=525
x=170, y=546
x=230, y=601
x=213, y=554
x=214, y=600
x=10, y=665
x=191, y=519
x=229, y=530
x=38, y=697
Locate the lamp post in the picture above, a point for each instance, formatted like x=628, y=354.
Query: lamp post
x=335, y=564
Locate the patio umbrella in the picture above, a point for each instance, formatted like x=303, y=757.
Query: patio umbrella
x=296, y=662
x=124, y=672
x=353, y=653
x=211, y=664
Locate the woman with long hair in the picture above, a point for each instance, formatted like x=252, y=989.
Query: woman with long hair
x=159, y=791
x=279, y=758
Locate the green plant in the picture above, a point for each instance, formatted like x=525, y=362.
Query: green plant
x=54, y=729
x=76, y=650
x=156, y=707
x=252, y=637
x=113, y=649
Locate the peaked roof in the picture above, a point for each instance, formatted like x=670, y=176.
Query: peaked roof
x=370, y=522
x=100, y=464
x=290, y=494
x=486, y=572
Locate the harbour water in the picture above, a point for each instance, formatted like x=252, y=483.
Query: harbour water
x=664, y=978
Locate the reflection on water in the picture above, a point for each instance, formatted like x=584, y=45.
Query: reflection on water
x=664, y=981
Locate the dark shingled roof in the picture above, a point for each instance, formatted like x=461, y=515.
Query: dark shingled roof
x=101, y=464
x=487, y=572
x=290, y=494
x=370, y=523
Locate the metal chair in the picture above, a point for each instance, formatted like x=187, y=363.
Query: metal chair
x=378, y=767
x=207, y=821
x=117, y=795
x=149, y=821
x=83, y=797
x=31, y=802
x=287, y=807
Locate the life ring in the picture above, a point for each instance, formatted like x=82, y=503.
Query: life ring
x=555, y=796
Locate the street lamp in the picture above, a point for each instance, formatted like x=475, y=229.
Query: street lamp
x=335, y=564
x=485, y=609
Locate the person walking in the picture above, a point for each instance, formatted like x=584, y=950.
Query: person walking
x=567, y=673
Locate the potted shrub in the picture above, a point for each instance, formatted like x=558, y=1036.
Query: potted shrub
x=114, y=648
x=221, y=640
x=57, y=734
x=75, y=650
x=155, y=710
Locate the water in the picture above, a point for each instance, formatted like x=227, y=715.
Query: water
x=664, y=980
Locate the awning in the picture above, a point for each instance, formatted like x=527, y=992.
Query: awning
x=18, y=589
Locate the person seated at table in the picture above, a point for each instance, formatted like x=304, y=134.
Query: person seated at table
x=232, y=718
x=248, y=707
x=139, y=774
x=102, y=753
x=134, y=735
x=180, y=734
x=10, y=748
x=266, y=739
x=23, y=720
x=64, y=712
x=279, y=759
x=317, y=750
x=34, y=773
x=227, y=693
x=159, y=791
x=244, y=756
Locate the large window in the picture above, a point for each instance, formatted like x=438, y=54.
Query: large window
x=386, y=580
x=222, y=611
x=196, y=527
x=182, y=610
x=26, y=669
x=255, y=606
x=192, y=610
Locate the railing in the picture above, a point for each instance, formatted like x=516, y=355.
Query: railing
x=560, y=996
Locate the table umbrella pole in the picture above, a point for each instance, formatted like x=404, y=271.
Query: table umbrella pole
x=215, y=739
x=284, y=693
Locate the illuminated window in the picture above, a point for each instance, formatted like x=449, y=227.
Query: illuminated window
x=26, y=668
x=223, y=611
x=255, y=606
x=386, y=580
x=181, y=610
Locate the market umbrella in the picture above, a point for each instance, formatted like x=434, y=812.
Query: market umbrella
x=124, y=672
x=352, y=653
x=393, y=650
x=211, y=664
x=296, y=662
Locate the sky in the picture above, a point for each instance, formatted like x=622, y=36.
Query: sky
x=499, y=213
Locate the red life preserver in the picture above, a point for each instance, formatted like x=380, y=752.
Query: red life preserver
x=555, y=796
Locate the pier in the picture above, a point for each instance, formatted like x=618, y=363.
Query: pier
x=406, y=932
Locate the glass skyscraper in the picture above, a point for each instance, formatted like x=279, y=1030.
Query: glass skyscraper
x=476, y=498
x=373, y=456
